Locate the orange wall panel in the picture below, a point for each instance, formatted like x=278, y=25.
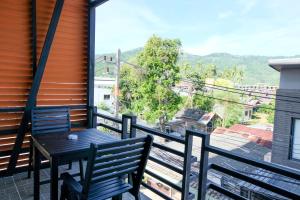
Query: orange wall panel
x=15, y=52
x=67, y=63
x=65, y=77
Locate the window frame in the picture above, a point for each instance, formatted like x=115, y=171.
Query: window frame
x=291, y=146
x=105, y=97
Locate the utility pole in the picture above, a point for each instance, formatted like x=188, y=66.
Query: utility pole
x=117, y=86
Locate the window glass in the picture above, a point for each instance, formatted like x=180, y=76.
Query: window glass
x=296, y=140
x=106, y=97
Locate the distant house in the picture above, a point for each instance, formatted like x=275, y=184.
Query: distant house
x=184, y=88
x=249, y=108
x=103, y=91
x=259, y=136
x=195, y=119
x=209, y=121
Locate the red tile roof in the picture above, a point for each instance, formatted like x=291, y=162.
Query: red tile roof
x=259, y=136
x=264, y=137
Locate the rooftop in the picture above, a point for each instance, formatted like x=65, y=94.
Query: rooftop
x=288, y=63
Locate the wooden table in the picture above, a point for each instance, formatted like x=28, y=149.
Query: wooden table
x=58, y=149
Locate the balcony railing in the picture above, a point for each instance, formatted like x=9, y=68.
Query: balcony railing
x=128, y=127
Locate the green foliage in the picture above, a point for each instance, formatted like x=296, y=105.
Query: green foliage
x=198, y=76
x=232, y=112
x=129, y=83
x=249, y=64
x=235, y=74
x=103, y=106
x=268, y=109
x=202, y=102
x=148, y=91
x=200, y=73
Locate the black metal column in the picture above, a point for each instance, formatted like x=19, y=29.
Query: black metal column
x=35, y=85
x=203, y=168
x=188, y=145
x=34, y=38
x=95, y=3
x=91, y=62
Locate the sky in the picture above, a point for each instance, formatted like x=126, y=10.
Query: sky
x=240, y=27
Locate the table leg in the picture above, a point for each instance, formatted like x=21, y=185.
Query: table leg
x=54, y=179
x=36, y=176
x=119, y=197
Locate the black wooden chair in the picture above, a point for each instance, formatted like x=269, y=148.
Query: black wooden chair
x=112, y=169
x=47, y=120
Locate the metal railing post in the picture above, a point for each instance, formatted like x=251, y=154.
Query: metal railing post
x=124, y=134
x=132, y=129
x=187, y=165
x=90, y=117
x=93, y=117
x=203, y=168
x=125, y=125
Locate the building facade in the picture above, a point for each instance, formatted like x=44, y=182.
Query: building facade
x=286, y=134
x=104, y=92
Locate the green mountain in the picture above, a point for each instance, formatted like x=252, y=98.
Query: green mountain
x=255, y=67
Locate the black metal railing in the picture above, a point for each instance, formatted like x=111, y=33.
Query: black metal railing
x=204, y=185
x=129, y=129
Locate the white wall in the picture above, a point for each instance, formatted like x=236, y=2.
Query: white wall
x=290, y=78
x=99, y=96
x=104, y=86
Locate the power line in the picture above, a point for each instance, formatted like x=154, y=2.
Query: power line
x=229, y=88
x=217, y=87
x=235, y=102
x=233, y=90
x=286, y=100
x=236, y=89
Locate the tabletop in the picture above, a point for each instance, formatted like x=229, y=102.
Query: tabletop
x=57, y=144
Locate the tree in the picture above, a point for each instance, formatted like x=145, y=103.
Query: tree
x=130, y=79
x=235, y=74
x=269, y=110
x=232, y=112
x=151, y=93
x=198, y=76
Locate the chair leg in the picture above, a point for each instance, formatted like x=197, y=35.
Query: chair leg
x=118, y=197
x=137, y=196
x=70, y=165
x=30, y=161
x=81, y=170
x=63, y=193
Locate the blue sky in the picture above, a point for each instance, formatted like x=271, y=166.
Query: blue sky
x=242, y=27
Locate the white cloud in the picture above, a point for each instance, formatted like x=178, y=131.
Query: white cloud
x=271, y=42
x=121, y=24
x=247, y=5
x=225, y=14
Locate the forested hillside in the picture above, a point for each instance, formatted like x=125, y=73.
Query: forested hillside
x=256, y=69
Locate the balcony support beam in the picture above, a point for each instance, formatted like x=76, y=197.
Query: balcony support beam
x=91, y=63
x=35, y=85
x=34, y=37
x=96, y=3
x=187, y=166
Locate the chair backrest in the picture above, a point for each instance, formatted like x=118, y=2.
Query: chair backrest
x=117, y=159
x=50, y=120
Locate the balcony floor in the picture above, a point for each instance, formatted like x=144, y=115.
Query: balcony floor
x=19, y=187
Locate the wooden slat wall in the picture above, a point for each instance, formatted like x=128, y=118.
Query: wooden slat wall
x=15, y=70
x=15, y=52
x=65, y=77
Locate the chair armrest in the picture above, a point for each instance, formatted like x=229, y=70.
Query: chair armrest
x=71, y=183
